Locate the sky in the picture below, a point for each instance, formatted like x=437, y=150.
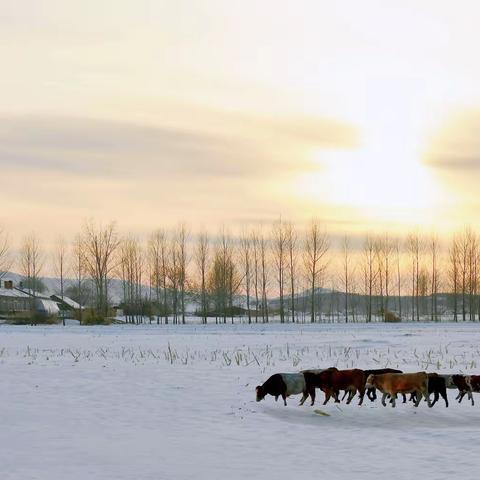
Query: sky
x=361, y=114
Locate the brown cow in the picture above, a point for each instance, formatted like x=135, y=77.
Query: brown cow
x=472, y=385
x=460, y=382
x=331, y=381
x=378, y=371
x=393, y=383
x=372, y=396
x=474, y=381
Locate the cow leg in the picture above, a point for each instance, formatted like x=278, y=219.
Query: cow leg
x=306, y=394
x=427, y=398
x=328, y=394
x=361, y=393
x=344, y=395
x=335, y=396
x=460, y=396
x=351, y=394
x=470, y=395
x=371, y=394
x=276, y=398
x=435, y=397
x=443, y=393
x=404, y=398
x=284, y=396
x=394, y=398
x=384, y=396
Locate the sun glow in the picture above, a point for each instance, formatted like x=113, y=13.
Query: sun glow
x=383, y=178
x=385, y=183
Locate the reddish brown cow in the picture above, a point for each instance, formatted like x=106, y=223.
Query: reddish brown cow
x=390, y=384
x=331, y=381
x=372, y=396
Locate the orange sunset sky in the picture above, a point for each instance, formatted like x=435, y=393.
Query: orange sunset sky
x=363, y=114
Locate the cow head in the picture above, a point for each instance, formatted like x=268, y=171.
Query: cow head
x=370, y=383
x=260, y=394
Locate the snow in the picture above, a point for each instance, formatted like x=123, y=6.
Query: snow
x=46, y=307
x=178, y=402
x=10, y=292
x=68, y=301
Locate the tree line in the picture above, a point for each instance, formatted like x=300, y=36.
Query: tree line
x=279, y=272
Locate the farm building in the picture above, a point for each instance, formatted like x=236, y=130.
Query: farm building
x=17, y=303
x=13, y=302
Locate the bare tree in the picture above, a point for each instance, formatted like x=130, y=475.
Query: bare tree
x=472, y=272
x=316, y=248
x=414, y=246
x=246, y=253
x=201, y=260
x=399, y=277
x=5, y=259
x=158, y=254
x=100, y=245
x=256, y=270
x=264, y=267
x=154, y=260
x=131, y=268
x=61, y=267
x=387, y=249
x=279, y=244
x=31, y=262
x=183, y=260
x=346, y=273
x=454, y=273
x=370, y=274
x=434, y=275
x=464, y=248
x=173, y=275
x=79, y=268
x=291, y=237
x=380, y=271
x=224, y=279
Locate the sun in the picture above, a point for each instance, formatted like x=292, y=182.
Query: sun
x=383, y=183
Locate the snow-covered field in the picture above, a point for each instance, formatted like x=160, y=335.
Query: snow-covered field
x=177, y=402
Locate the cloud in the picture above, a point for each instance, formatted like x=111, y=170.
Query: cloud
x=104, y=147
x=100, y=147
x=456, y=146
x=207, y=170
x=322, y=133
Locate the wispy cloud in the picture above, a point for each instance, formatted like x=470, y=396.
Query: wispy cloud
x=104, y=147
x=456, y=147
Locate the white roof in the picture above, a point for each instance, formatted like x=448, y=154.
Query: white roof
x=69, y=301
x=32, y=293
x=10, y=292
x=47, y=306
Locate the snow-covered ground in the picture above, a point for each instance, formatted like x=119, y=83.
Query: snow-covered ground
x=177, y=402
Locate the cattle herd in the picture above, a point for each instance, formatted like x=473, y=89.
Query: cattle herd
x=389, y=382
